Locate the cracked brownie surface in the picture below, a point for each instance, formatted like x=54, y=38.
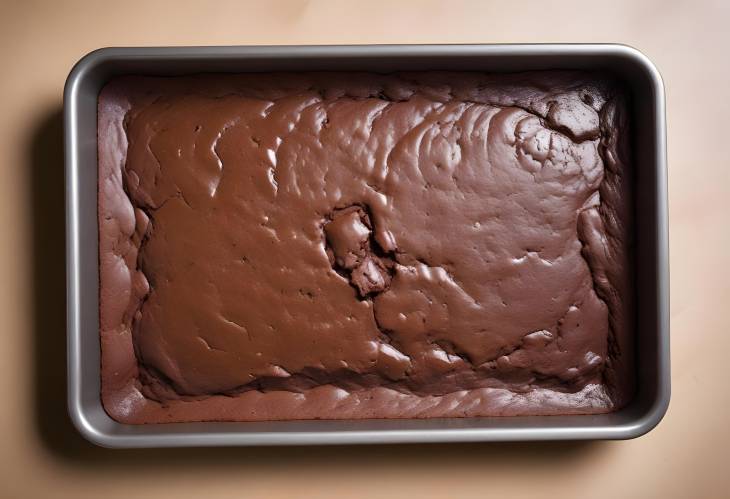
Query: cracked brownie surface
x=356, y=245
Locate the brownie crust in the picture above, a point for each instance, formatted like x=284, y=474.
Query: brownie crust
x=356, y=245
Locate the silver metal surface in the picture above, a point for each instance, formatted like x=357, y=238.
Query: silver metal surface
x=652, y=279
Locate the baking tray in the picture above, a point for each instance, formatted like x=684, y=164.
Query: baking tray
x=651, y=251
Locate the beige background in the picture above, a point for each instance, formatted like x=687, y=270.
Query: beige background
x=41, y=455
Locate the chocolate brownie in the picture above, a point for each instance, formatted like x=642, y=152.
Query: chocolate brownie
x=356, y=245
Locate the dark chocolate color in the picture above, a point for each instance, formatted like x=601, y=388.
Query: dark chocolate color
x=342, y=245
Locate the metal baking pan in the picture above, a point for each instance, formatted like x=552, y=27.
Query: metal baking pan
x=652, y=274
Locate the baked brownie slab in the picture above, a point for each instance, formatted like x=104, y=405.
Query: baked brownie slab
x=353, y=245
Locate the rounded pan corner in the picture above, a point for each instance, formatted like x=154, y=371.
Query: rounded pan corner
x=84, y=66
x=651, y=418
x=88, y=429
x=642, y=61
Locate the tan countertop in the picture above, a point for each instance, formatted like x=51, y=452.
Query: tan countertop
x=42, y=456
